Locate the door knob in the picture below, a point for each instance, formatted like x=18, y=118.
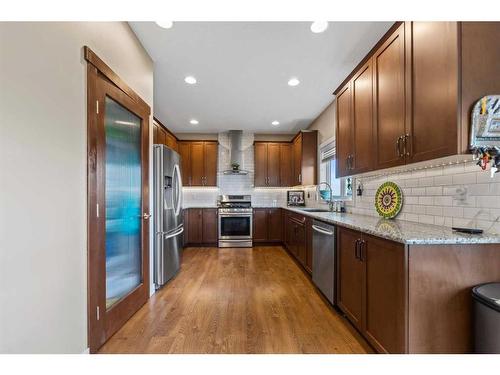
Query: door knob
x=146, y=216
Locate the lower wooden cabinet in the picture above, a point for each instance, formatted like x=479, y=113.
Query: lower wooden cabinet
x=267, y=225
x=200, y=226
x=298, y=238
x=371, y=288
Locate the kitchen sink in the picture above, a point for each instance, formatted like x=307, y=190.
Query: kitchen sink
x=314, y=209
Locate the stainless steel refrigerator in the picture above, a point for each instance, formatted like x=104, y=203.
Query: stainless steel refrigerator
x=168, y=221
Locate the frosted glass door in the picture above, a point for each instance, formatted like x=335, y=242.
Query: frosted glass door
x=123, y=201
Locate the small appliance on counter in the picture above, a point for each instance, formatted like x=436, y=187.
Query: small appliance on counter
x=295, y=198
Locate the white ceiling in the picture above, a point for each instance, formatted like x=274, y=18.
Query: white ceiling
x=243, y=68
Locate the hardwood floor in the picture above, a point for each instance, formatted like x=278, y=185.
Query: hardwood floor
x=237, y=301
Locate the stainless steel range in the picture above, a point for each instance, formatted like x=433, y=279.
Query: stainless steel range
x=235, y=220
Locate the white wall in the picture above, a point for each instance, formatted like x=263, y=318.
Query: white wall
x=43, y=246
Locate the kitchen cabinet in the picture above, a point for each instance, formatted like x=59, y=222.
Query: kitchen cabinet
x=362, y=117
x=194, y=226
x=267, y=225
x=433, y=89
x=210, y=220
x=389, y=71
x=305, y=156
x=350, y=275
x=355, y=124
x=286, y=164
x=297, y=240
x=164, y=137
x=201, y=226
x=344, y=142
x=267, y=164
x=423, y=79
x=371, y=288
x=199, y=162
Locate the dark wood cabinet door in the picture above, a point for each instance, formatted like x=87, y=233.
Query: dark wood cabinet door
x=384, y=313
x=389, y=101
x=185, y=153
x=309, y=157
x=210, y=152
x=170, y=141
x=210, y=234
x=286, y=165
x=297, y=160
x=350, y=276
x=344, y=132
x=260, y=225
x=197, y=164
x=161, y=136
x=290, y=234
x=309, y=245
x=301, y=243
x=260, y=161
x=155, y=134
x=432, y=53
x=274, y=222
x=273, y=164
x=195, y=226
x=362, y=118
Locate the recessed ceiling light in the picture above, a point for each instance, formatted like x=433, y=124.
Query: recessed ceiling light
x=293, y=82
x=194, y=122
x=275, y=123
x=319, y=26
x=165, y=24
x=190, y=79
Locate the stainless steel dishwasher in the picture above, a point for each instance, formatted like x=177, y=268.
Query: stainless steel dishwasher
x=323, y=262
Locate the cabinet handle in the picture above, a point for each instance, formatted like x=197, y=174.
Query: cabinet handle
x=352, y=161
x=398, y=146
x=300, y=177
x=356, y=249
x=406, y=145
x=362, y=251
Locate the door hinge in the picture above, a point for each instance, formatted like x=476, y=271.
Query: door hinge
x=97, y=106
x=97, y=312
x=97, y=209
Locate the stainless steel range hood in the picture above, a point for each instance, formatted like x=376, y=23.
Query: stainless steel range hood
x=235, y=153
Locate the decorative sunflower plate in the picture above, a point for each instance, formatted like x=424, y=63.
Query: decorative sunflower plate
x=388, y=200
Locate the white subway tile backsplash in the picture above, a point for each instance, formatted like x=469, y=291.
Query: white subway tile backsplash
x=465, y=178
x=443, y=180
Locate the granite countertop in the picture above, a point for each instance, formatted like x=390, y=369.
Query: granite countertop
x=402, y=231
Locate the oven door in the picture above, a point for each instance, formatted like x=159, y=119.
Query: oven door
x=235, y=226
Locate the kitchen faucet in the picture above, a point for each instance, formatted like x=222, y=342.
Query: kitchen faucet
x=330, y=203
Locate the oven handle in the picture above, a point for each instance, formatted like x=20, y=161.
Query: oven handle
x=235, y=214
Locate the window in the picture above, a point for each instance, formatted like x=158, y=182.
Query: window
x=341, y=187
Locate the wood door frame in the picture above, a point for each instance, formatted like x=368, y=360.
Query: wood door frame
x=98, y=70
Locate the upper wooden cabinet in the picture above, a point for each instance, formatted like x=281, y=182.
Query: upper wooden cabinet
x=163, y=136
x=423, y=79
x=432, y=90
x=305, y=158
x=287, y=163
x=389, y=116
x=362, y=117
x=267, y=164
x=344, y=131
x=199, y=162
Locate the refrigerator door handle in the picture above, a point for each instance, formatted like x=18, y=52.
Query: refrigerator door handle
x=176, y=233
x=178, y=186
